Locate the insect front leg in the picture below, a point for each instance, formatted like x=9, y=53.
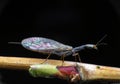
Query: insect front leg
x=76, y=55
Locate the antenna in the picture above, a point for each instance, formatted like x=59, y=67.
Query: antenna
x=14, y=43
x=98, y=43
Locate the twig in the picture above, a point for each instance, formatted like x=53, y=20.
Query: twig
x=89, y=71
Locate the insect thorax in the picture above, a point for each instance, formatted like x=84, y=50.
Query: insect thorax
x=63, y=53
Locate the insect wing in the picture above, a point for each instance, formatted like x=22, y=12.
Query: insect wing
x=44, y=45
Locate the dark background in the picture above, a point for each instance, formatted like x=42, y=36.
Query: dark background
x=71, y=22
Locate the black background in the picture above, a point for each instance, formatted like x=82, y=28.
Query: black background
x=70, y=22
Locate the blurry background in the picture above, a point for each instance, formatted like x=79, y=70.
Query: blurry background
x=70, y=22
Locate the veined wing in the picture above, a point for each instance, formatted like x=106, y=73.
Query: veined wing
x=44, y=45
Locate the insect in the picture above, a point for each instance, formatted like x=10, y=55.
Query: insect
x=49, y=46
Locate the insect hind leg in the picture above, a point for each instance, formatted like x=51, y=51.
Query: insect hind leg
x=46, y=58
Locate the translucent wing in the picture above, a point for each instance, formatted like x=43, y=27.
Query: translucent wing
x=44, y=45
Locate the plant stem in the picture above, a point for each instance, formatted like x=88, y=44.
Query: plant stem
x=89, y=71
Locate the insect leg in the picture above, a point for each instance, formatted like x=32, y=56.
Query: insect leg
x=63, y=56
x=79, y=57
x=76, y=55
x=46, y=58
